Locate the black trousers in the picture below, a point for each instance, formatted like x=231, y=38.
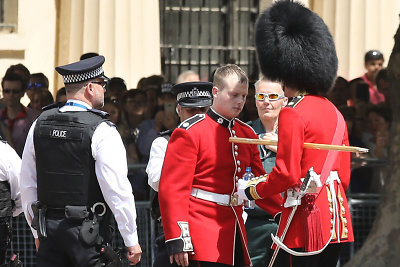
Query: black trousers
x=161, y=257
x=3, y=242
x=327, y=258
x=62, y=247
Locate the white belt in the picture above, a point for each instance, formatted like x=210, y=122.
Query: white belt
x=220, y=199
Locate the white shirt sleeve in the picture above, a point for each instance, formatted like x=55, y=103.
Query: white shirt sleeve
x=156, y=160
x=10, y=167
x=111, y=169
x=28, y=181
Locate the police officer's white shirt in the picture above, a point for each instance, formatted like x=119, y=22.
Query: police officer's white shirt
x=156, y=160
x=111, y=170
x=10, y=166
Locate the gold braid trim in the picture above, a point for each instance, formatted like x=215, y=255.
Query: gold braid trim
x=253, y=192
x=252, y=184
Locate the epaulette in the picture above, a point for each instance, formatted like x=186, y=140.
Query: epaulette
x=294, y=101
x=191, y=121
x=99, y=112
x=53, y=105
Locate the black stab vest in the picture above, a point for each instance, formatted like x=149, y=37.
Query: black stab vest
x=64, y=162
x=6, y=204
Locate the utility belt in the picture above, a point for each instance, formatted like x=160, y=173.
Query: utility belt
x=220, y=199
x=88, y=217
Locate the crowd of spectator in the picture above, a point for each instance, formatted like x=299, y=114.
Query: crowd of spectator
x=365, y=104
x=141, y=113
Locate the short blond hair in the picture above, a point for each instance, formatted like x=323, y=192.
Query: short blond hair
x=228, y=70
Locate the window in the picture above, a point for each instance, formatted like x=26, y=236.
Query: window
x=202, y=35
x=8, y=16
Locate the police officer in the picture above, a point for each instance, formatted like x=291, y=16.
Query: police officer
x=193, y=98
x=10, y=200
x=75, y=173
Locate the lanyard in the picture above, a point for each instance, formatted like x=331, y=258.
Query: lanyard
x=75, y=105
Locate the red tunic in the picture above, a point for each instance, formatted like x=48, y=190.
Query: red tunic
x=312, y=120
x=199, y=155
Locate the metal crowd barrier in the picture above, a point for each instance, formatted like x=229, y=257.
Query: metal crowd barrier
x=363, y=208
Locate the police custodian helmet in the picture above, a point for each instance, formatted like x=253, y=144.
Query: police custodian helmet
x=294, y=46
x=193, y=94
x=83, y=70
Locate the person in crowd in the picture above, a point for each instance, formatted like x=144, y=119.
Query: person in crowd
x=112, y=108
x=373, y=63
x=22, y=71
x=201, y=216
x=193, y=98
x=61, y=95
x=116, y=89
x=360, y=101
x=15, y=117
x=293, y=46
x=383, y=84
x=40, y=99
x=75, y=175
x=249, y=112
x=340, y=94
x=379, y=118
x=132, y=114
x=187, y=76
x=361, y=173
x=270, y=100
x=10, y=198
x=37, y=82
x=165, y=119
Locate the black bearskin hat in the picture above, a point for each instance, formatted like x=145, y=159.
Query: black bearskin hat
x=294, y=46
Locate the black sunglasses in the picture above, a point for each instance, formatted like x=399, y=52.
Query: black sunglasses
x=102, y=83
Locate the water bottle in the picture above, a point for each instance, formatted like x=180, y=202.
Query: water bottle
x=247, y=176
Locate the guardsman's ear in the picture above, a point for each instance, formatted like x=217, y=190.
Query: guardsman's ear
x=215, y=91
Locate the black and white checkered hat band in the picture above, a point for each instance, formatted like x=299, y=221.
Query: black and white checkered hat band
x=76, y=78
x=193, y=93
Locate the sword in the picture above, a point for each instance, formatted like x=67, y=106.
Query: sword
x=306, y=145
x=303, y=190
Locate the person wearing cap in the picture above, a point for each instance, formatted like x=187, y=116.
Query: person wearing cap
x=294, y=47
x=192, y=98
x=10, y=197
x=75, y=171
x=373, y=63
x=201, y=216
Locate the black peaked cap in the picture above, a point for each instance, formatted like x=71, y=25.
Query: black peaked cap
x=193, y=94
x=83, y=70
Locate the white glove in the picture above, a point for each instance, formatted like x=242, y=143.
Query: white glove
x=241, y=186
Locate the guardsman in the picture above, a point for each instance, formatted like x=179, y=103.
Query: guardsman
x=302, y=55
x=10, y=199
x=201, y=215
x=193, y=98
x=75, y=175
